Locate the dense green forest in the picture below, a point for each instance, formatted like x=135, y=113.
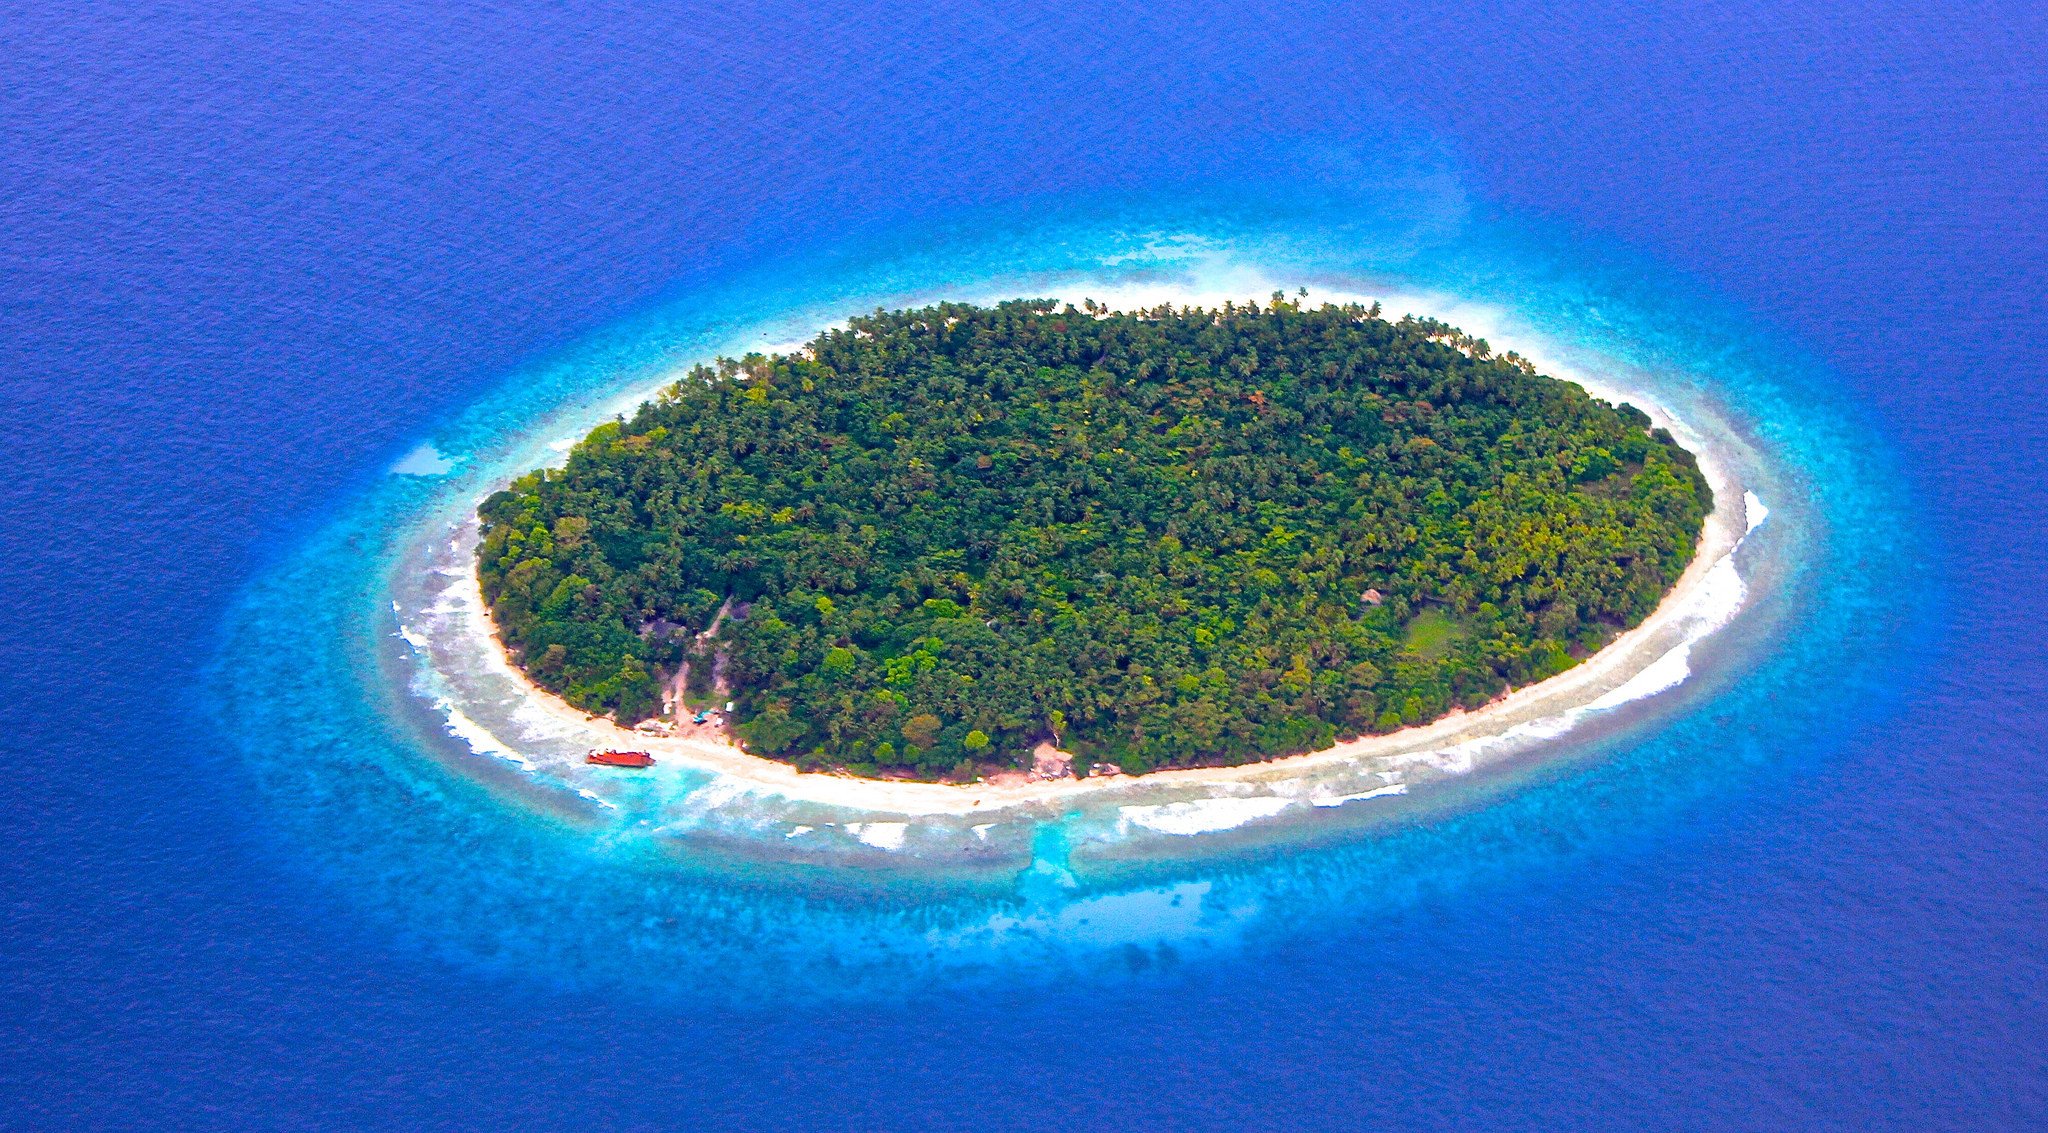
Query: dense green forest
x=1167, y=538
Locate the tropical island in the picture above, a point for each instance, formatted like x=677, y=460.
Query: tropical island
x=933, y=541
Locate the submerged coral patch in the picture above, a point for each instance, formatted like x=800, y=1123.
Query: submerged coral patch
x=414, y=769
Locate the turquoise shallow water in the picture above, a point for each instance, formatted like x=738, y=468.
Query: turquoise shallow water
x=255, y=257
x=474, y=861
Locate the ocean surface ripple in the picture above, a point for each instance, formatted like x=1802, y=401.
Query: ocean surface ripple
x=422, y=784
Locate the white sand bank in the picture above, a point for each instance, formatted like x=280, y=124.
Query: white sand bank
x=1646, y=660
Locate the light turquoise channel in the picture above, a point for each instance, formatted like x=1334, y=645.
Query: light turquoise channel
x=467, y=859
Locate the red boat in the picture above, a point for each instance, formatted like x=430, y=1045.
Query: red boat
x=620, y=759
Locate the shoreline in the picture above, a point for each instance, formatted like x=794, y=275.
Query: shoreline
x=1646, y=659
x=1628, y=656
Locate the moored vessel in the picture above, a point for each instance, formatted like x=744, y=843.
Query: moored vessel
x=620, y=758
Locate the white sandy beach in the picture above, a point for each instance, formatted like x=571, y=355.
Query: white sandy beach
x=1645, y=660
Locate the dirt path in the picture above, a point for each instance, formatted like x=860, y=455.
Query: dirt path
x=678, y=687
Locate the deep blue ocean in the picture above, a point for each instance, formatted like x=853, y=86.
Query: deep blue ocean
x=250, y=261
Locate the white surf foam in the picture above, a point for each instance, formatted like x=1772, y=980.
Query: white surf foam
x=1704, y=612
x=460, y=608
x=1376, y=792
x=1202, y=815
x=1755, y=510
x=479, y=738
x=880, y=835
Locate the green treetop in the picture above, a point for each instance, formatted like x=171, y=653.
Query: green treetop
x=1168, y=538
